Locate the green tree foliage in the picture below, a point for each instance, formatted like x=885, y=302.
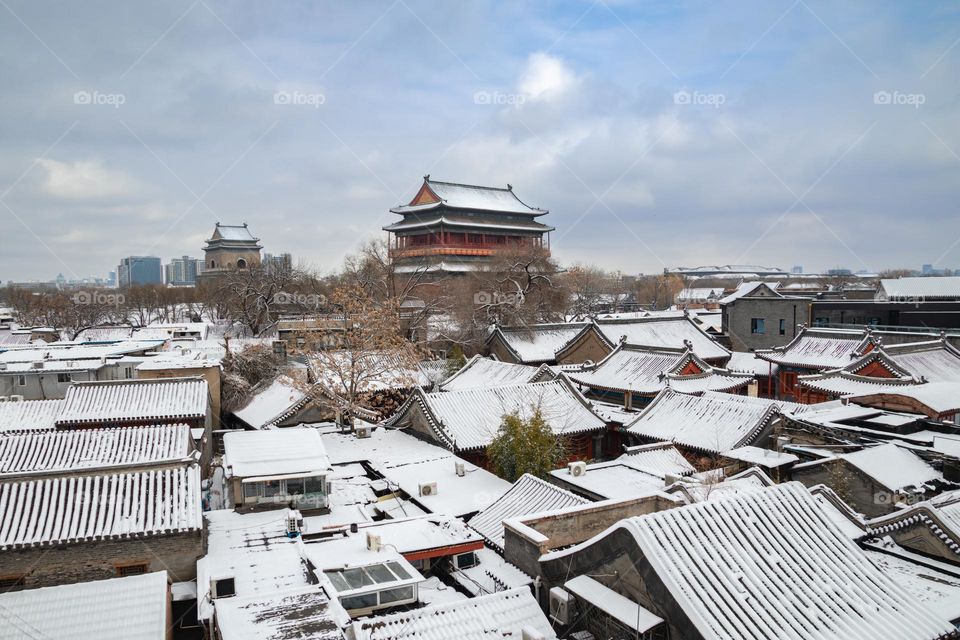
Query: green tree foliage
x=455, y=360
x=525, y=446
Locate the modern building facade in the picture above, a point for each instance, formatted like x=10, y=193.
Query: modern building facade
x=182, y=272
x=139, y=270
x=456, y=228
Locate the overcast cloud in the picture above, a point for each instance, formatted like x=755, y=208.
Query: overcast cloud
x=657, y=133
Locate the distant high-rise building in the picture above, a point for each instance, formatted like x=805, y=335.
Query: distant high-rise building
x=111, y=278
x=139, y=270
x=279, y=262
x=797, y=268
x=927, y=269
x=182, y=272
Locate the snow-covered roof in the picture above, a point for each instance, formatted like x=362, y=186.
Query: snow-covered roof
x=29, y=414
x=771, y=564
x=500, y=615
x=937, y=590
x=670, y=331
x=130, y=608
x=647, y=370
x=434, y=194
x=817, y=349
x=707, y=424
x=935, y=399
x=620, y=608
x=485, y=372
x=749, y=288
x=248, y=454
x=538, y=343
x=892, y=466
x=76, y=350
x=761, y=457
x=135, y=400
x=750, y=363
x=273, y=403
x=918, y=289
x=528, y=495
x=254, y=550
x=781, y=405
x=659, y=459
x=48, y=452
x=470, y=419
x=281, y=616
x=235, y=232
x=611, y=480
x=68, y=509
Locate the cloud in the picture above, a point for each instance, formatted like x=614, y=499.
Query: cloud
x=546, y=78
x=87, y=180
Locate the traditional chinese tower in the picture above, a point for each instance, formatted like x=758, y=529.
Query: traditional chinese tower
x=231, y=247
x=456, y=228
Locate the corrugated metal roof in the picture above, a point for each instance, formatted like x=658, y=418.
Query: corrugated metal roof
x=65, y=451
x=771, y=564
x=528, y=495
x=918, y=289
x=96, y=507
x=249, y=454
x=131, y=608
x=172, y=398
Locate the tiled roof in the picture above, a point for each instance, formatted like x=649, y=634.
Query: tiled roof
x=892, y=466
x=771, y=564
x=707, y=424
x=166, y=399
x=940, y=398
x=649, y=370
x=273, y=403
x=818, y=349
x=470, y=419
x=497, y=615
x=29, y=414
x=74, y=450
x=131, y=608
x=672, y=332
x=484, y=372
x=528, y=495
x=473, y=197
x=659, y=459
x=538, y=343
x=69, y=509
x=280, y=616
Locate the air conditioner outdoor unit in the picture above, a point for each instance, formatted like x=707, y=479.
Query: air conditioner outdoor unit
x=428, y=489
x=294, y=523
x=577, y=468
x=16, y=398
x=38, y=365
x=374, y=542
x=560, y=603
x=363, y=432
x=222, y=587
x=460, y=468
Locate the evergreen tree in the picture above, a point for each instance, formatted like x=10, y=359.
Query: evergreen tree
x=525, y=446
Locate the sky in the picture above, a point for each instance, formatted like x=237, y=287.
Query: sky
x=658, y=134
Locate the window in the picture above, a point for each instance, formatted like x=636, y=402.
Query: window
x=314, y=485
x=241, y=264
x=213, y=264
x=396, y=595
x=136, y=569
x=21, y=381
x=757, y=325
x=466, y=560
x=783, y=327
x=63, y=378
x=364, y=601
